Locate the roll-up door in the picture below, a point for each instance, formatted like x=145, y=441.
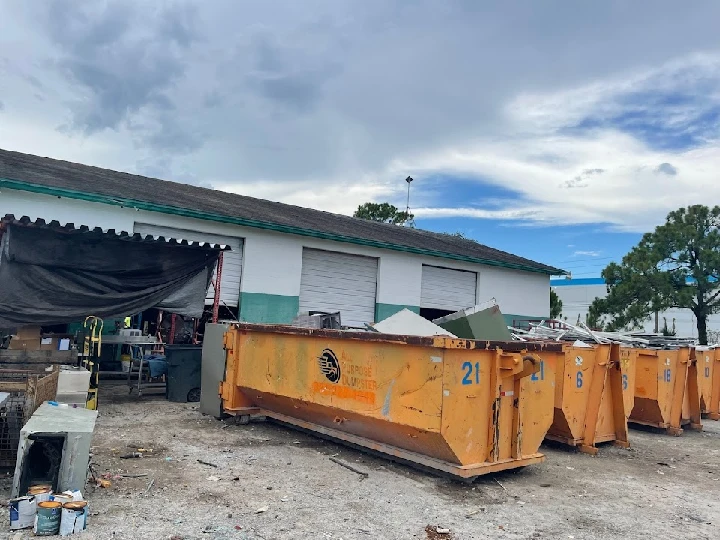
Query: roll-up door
x=443, y=288
x=332, y=281
x=232, y=260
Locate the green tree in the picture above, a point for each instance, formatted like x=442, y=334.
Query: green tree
x=383, y=212
x=555, y=305
x=595, y=318
x=676, y=266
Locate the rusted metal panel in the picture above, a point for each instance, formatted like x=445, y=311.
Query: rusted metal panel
x=466, y=404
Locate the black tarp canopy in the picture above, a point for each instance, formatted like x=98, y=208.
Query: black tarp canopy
x=54, y=274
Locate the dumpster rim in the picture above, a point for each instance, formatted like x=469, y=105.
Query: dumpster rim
x=441, y=342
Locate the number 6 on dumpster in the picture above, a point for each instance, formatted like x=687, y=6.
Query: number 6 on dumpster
x=578, y=379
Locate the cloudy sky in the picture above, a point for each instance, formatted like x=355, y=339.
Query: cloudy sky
x=559, y=130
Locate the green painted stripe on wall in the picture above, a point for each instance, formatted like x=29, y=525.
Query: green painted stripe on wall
x=383, y=311
x=268, y=308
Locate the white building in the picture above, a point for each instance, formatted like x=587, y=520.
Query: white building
x=284, y=259
x=578, y=294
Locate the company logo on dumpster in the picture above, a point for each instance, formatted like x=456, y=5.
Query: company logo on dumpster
x=350, y=380
x=329, y=365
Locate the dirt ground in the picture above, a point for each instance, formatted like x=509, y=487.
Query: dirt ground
x=271, y=482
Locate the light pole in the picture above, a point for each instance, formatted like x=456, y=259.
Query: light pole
x=409, y=179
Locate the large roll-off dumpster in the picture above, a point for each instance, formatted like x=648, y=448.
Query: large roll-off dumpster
x=593, y=396
x=708, y=368
x=666, y=389
x=460, y=406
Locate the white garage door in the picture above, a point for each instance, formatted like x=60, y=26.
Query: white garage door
x=333, y=281
x=232, y=260
x=443, y=288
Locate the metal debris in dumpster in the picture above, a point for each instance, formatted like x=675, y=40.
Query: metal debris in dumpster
x=665, y=384
x=462, y=407
x=593, y=396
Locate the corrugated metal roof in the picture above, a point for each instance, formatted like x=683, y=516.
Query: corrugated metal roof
x=73, y=180
x=71, y=228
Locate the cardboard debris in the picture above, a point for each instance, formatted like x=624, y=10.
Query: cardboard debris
x=483, y=322
x=409, y=323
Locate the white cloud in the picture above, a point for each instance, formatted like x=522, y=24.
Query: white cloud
x=329, y=103
x=595, y=175
x=587, y=253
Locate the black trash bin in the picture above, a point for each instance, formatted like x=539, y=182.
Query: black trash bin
x=183, y=381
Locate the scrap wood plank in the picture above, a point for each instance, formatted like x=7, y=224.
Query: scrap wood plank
x=37, y=369
x=8, y=356
x=13, y=386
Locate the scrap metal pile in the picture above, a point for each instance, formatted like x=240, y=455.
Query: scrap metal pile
x=554, y=330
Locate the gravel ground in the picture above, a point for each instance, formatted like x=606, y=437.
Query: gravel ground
x=271, y=482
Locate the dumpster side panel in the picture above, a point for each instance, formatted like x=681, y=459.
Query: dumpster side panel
x=708, y=375
x=691, y=406
x=628, y=368
x=578, y=377
x=713, y=408
x=383, y=433
x=669, y=373
x=649, y=399
x=618, y=399
x=538, y=396
x=662, y=388
x=467, y=396
x=453, y=405
x=402, y=384
x=556, y=362
x=706, y=361
x=606, y=421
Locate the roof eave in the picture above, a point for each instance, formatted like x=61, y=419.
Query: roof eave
x=187, y=212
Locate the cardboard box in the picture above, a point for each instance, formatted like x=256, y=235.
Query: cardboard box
x=28, y=332
x=27, y=344
x=55, y=342
x=48, y=343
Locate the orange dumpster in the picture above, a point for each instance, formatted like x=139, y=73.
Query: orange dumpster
x=708, y=368
x=594, y=390
x=666, y=389
x=459, y=406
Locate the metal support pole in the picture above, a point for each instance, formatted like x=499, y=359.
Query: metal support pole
x=171, y=337
x=218, y=278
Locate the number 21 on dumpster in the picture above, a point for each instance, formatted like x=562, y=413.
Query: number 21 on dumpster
x=539, y=375
x=472, y=373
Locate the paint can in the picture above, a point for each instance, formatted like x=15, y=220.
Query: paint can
x=41, y=493
x=47, y=519
x=126, y=362
x=22, y=512
x=64, y=497
x=74, y=518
